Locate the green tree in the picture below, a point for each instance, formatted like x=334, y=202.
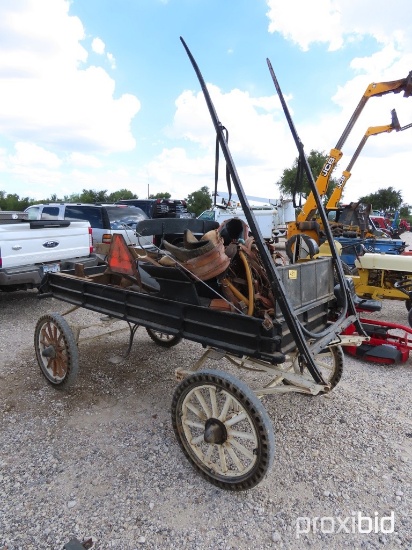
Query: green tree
x=383, y=199
x=288, y=184
x=160, y=196
x=199, y=200
x=13, y=201
x=121, y=194
x=404, y=211
x=89, y=196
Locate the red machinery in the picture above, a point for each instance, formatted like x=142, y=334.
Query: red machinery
x=389, y=343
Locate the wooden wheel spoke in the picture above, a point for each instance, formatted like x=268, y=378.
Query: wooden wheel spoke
x=222, y=459
x=193, y=424
x=208, y=454
x=225, y=409
x=195, y=410
x=235, y=419
x=242, y=435
x=234, y=458
x=242, y=449
x=203, y=403
x=197, y=440
x=213, y=401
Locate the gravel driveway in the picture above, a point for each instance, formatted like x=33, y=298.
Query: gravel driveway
x=101, y=460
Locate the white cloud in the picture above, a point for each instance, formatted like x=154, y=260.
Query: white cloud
x=81, y=160
x=334, y=22
x=47, y=93
x=258, y=140
x=29, y=154
x=98, y=46
x=337, y=23
x=112, y=60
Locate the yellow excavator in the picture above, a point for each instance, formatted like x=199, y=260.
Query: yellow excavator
x=346, y=174
x=306, y=224
x=350, y=221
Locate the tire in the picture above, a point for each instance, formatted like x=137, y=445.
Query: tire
x=204, y=410
x=309, y=245
x=163, y=339
x=56, y=350
x=329, y=361
x=408, y=304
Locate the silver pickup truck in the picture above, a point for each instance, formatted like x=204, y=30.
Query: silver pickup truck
x=31, y=248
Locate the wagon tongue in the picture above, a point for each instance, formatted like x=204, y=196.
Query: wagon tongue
x=299, y=333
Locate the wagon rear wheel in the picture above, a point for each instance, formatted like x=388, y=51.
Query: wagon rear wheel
x=223, y=429
x=56, y=350
x=163, y=338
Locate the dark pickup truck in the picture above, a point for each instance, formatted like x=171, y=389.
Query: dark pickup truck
x=160, y=208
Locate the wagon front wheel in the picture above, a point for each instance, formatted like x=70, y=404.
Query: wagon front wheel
x=56, y=350
x=223, y=429
x=163, y=339
x=330, y=363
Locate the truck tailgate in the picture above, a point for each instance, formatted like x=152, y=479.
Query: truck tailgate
x=41, y=244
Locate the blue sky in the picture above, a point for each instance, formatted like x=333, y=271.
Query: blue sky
x=97, y=94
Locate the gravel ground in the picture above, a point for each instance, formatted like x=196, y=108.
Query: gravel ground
x=101, y=459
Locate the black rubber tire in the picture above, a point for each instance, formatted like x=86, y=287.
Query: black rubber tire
x=290, y=245
x=163, y=339
x=408, y=304
x=337, y=369
x=56, y=350
x=261, y=444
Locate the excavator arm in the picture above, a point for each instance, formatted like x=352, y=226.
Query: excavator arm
x=375, y=89
x=346, y=174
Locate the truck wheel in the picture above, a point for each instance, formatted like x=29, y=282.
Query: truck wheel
x=223, y=429
x=56, y=350
x=163, y=339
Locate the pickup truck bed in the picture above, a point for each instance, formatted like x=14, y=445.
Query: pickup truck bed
x=29, y=249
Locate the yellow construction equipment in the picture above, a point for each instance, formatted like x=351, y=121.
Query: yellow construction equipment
x=305, y=222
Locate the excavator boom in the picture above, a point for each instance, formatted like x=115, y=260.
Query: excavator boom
x=346, y=174
x=374, y=89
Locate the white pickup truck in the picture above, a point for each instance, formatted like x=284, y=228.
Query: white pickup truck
x=31, y=248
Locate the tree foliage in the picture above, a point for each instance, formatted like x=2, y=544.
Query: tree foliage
x=405, y=211
x=13, y=202
x=199, y=200
x=383, y=199
x=165, y=195
x=121, y=194
x=288, y=184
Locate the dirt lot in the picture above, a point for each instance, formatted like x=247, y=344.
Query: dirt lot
x=101, y=460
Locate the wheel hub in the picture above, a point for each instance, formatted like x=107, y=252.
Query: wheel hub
x=215, y=432
x=49, y=352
